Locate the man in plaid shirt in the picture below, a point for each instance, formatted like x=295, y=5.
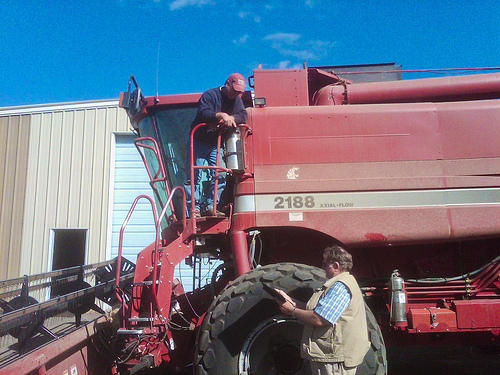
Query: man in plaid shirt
x=335, y=338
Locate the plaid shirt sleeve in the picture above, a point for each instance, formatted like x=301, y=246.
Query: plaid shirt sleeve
x=334, y=302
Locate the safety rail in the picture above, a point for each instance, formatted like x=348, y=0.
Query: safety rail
x=217, y=168
x=160, y=174
x=120, y=294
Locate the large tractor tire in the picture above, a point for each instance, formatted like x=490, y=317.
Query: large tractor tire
x=375, y=361
x=244, y=332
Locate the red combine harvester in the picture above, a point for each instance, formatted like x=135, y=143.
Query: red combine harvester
x=405, y=174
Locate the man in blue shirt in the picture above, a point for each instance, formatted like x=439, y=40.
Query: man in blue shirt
x=217, y=107
x=335, y=338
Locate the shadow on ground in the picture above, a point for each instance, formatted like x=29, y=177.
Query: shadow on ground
x=435, y=360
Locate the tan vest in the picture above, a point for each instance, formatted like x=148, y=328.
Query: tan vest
x=347, y=340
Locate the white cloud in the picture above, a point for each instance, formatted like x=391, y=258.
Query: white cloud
x=309, y=3
x=290, y=44
x=241, y=40
x=178, y=4
x=284, y=64
x=243, y=14
x=286, y=38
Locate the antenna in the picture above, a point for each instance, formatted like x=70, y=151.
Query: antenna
x=157, y=70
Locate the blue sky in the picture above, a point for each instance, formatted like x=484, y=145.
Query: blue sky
x=61, y=51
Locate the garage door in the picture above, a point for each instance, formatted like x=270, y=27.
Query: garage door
x=131, y=180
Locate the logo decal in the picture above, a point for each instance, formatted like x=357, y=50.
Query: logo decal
x=293, y=173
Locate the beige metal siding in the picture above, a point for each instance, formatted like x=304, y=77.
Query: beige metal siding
x=55, y=168
x=68, y=180
x=14, y=134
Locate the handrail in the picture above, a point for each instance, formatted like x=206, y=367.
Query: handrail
x=118, y=292
x=161, y=168
x=120, y=242
x=157, y=220
x=160, y=174
x=169, y=200
x=216, y=167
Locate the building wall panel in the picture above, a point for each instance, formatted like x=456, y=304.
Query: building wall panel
x=99, y=191
x=68, y=180
x=65, y=173
x=13, y=161
x=76, y=169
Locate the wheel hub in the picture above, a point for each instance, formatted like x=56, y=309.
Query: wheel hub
x=272, y=348
x=287, y=359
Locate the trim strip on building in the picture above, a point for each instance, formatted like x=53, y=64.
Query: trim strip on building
x=41, y=108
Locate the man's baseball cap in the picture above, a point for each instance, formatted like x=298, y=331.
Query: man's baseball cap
x=238, y=81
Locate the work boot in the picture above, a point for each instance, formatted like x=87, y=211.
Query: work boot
x=209, y=212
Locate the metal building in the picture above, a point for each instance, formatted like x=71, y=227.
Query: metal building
x=56, y=169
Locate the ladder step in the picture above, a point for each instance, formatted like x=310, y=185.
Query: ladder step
x=140, y=319
x=143, y=283
x=130, y=331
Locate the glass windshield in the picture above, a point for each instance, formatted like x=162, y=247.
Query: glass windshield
x=170, y=127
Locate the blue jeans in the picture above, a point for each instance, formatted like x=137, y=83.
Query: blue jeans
x=204, y=153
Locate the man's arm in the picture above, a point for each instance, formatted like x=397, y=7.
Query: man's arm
x=207, y=107
x=239, y=115
x=307, y=316
x=297, y=310
x=328, y=310
x=334, y=303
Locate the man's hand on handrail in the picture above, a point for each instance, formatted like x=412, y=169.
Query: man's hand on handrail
x=225, y=119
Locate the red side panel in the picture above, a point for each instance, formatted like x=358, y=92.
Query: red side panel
x=337, y=134
x=66, y=355
x=371, y=173
x=478, y=314
x=282, y=87
x=470, y=129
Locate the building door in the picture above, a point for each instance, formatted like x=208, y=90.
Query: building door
x=68, y=248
